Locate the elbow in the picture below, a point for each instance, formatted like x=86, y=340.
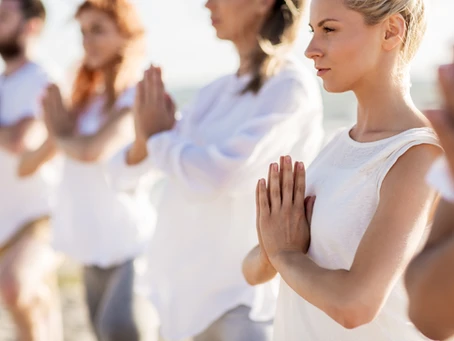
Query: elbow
x=354, y=313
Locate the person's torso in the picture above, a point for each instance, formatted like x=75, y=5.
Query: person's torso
x=346, y=179
x=93, y=223
x=26, y=198
x=199, y=245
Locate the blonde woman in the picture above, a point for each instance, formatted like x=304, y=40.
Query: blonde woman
x=342, y=235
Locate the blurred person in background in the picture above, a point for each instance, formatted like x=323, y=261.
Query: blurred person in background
x=27, y=262
x=342, y=257
x=212, y=157
x=430, y=276
x=103, y=230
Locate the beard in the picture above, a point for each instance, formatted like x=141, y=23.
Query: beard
x=11, y=48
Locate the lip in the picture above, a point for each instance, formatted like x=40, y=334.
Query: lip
x=214, y=21
x=321, y=71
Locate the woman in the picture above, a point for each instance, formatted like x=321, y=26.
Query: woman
x=429, y=278
x=236, y=125
x=342, y=266
x=92, y=224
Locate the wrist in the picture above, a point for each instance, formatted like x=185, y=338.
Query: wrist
x=137, y=153
x=283, y=258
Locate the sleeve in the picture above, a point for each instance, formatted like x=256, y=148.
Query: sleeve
x=233, y=166
x=35, y=91
x=439, y=177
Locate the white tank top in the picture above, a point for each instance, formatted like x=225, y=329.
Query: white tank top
x=346, y=178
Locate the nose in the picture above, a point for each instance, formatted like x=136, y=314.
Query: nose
x=313, y=50
x=209, y=4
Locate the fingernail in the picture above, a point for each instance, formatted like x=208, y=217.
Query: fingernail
x=262, y=182
x=288, y=160
x=300, y=165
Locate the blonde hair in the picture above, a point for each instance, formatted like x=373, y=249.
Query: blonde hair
x=413, y=12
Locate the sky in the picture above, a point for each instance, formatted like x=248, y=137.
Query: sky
x=181, y=40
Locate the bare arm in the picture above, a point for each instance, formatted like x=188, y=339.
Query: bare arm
x=13, y=138
x=430, y=279
x=104, y=143
x=31, y=161
x=255, y=270
x=354, y=297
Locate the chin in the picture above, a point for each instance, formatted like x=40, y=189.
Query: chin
x=335, y=88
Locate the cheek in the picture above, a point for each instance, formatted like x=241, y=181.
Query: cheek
x=352, y=60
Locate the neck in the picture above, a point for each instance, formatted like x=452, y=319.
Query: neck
x=245, y=48
x=14, y=64
x=384, y=105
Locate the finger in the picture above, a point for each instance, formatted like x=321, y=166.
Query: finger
x=268, y=182
x=287, y=182
x=281, y=167
x=147, y=87
x=257, y=204
x=275, y=188
x=140, y=94
x=263, y=199
x=159, y=84
x=299, y=192
x=309, y=206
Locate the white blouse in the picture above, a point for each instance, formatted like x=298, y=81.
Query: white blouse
x=439, y=177
x=206, y=220
x=92, y=223
x=346, y=177
x=22, y=199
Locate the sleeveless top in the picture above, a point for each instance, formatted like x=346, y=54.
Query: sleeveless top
x=346, y=178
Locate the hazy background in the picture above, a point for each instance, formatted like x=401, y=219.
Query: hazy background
x=180, y=39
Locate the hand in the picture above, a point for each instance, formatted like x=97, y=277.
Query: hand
x=27, y=164
x=282, y=219
x=154, y=110
x=443, y=119
x=57, y=119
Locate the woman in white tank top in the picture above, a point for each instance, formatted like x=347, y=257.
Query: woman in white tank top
x=342, y=237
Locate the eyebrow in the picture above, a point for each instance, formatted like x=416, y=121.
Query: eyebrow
x=324, y=21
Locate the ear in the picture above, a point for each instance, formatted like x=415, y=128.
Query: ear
x=395, y=30
x=33, y=26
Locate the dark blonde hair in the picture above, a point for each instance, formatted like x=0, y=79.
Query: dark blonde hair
x=277, y=34
x=88, y=81
x=413, y=12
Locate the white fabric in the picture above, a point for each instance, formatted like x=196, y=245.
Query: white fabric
x=206, y=220
x=439, y=177
x=346, y=178
x=92, y=223
x=22, y=200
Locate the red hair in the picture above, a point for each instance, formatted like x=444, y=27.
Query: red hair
x=88, y=81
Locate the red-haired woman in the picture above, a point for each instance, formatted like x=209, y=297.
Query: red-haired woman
x=94, y=225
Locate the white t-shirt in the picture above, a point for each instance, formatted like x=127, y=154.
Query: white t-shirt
x=22, y=199
x=92, y=223
x=346, y=178
x=206, y=220
x=439, y=177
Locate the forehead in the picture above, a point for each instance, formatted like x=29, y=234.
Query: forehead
x=10, y=6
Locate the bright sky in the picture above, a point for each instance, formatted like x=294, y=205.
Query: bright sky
x=182, y=41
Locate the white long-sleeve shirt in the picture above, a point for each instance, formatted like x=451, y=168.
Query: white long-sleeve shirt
x=206, y=219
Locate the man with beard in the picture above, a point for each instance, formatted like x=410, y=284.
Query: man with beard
x=27, y=262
